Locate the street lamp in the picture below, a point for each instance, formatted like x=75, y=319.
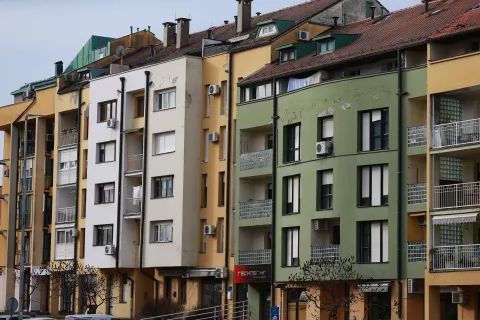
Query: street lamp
x=21, y=291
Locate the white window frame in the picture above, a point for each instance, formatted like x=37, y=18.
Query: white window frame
x=378, y=246
x=292, y=193
x=166, y=96
x=157, y=144
x=162, y=231
x=66, y=238
x=106, y=146
x=374, y=185
x=292, y=246
x=267, y=30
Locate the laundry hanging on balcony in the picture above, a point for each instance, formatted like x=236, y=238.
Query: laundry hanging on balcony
x=137, y=195
x=455, y=219
x=295, y=84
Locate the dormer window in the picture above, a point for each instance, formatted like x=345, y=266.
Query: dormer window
x=288, y=55
x=326, y=46
x=85, y=76
x=267, y=30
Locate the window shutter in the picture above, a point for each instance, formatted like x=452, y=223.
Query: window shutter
x=365, y=182
x=327, y=127
x=73, y=155
x=327, y=177
x=375, y=242
x=296, y=194
x=169, y=142
x=110, y=151
x=109, y=186
x=385, y=180
x=376, y=185
x=366, y=132
x=385, y=241
x=64, y=156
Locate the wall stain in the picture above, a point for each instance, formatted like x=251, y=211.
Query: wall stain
x=188, y=100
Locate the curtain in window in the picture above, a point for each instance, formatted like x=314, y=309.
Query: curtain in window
x=375, y=248
x=327, y=127
x=110, y=151
x=385, y=241
x=376, y=185
x=366, y=131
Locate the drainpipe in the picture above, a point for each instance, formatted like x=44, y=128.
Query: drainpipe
x=229, y=169
x=274, y=187
x=144, y=175
x=120, y=170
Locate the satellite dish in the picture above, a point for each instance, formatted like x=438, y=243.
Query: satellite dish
x=120, y=52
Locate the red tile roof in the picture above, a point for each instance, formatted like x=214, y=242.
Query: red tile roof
x=297, y=13
x=403, y=28
x=467, y=22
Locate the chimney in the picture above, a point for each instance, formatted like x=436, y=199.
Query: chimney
x=426, y=5
x=169, y=33
x=226, y=22
x=236, y=21
x=209, y=34
x=183, y=32
x=258, y=14
x=58, y=68
x=373, y=12
x=244, y=15
x=148, y=35
x=335, y=21
x=131, y=37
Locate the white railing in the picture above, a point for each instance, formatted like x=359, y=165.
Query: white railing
x=325, y=253
x=133, y=207
x=453, y=258
x=456, y=195
x=257, y=209
x=134, y=163
x=417, y=251
x=456, y=133
x=67, y=138
x=67, y=177
x=66, y=215
x=233, y=311
x=256, y=160
x=252, y=257
x=417, y=136
x=417, y=193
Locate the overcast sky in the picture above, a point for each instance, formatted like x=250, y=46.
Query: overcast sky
x=36, y=33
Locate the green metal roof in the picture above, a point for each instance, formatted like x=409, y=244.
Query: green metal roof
x=37, y=85
x=87, y=55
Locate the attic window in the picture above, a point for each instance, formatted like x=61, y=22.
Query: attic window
x=268, y=30
x=436, y=12
x=326, y=46
x=287, y=55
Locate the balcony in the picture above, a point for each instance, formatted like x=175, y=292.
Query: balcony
x=48, y=182
x=46, y=255
x=29, y=184
x=26, y=255
x=328, y=253
x=455, y=134
x=417, y=136
x=256, y=160
x=456, y=258
x=134, y=164
x=67, y=138
x=66, y=215
x=253, y=257
x=417, y=193
x=30, y=148
x=66, y=177
x=417, y=251
x=133, y=208
x=256, y=209
x=455, y=196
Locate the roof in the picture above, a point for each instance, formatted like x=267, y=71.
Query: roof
x=37, y=85
x=467, y=22
x=297, y=13
x=403, y=28
x=74, y=87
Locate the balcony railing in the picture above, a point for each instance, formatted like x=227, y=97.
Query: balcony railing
x=456, y=133
x=258, y=209
x=456, y=195
x=325, y=253
x=417, y=193
x=67, y=138
x=67, y=177
x=417, y=251
x=133, y=207
x=134, y=163
x=252, y=257
x=454, y=258
x=417, y=136
x=256, y=160
x=65, y=215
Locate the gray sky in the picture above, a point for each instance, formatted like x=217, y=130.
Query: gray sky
x=36, y=33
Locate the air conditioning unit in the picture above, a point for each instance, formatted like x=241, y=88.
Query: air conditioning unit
x=212, y=137
x=324, y=148
x=110, y=250
x=112, y=123
x=50, y=137
x=27, y=94
x=73, y=233
x=321, y=225
x=214, y=90
x=459, y=298
x=68, y=77
x=6, y=173
x=303, y=35
x=209, y=230
x=422, y=222
x=414, y=286
x=221, y=273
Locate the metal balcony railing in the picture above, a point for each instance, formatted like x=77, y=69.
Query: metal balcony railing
x=417, y=251
x=456, y=133
x=256, y=160
x=133, y=207
x=252, y=257
x=65, y=215
x=417, y=193
x=417, y=136
x=257, y=209
x=68, y=137
x=67, y=177
x=456, y=195
x=134, y=163
x=329, y=252
x=454, y=258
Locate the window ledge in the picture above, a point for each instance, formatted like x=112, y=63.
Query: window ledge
x=161, y=154
x=454, y=57
x=374, y=151
x=287, y=267
x=290, y=214
x=320, y=210
x=369, y=207
x=367, y=263
x=158, y=110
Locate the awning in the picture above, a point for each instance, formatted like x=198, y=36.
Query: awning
x=455, y=218
x=375, y=286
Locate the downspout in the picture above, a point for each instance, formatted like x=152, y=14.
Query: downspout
x=400, y=95
x=229, y=169
x=274, y=191
x=120, y=170
x=144, y=175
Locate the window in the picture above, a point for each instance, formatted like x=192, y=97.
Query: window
x=162, y=231
x=162, y=187
x=325, y=190
x=221, y=189
x=164, y=142
x=124, y=290
x=84, y=76
x=325, y=129
x=207, y=101
x=326, y=46
x=375, y=130
x=105, y=193
x=292, y=249
x=256, y=92
x=82, y=245
x=223, y=143
x=65, y=236
x=291, y=138
x=203, y=223
x=107, y=110
x=205, y=150
x=373, y=242
x=106, y=152
x=140, y=107
x=268, y=30
x=269, y=191
x=220, y=234
x=291, y=195
x=288, y=55
x=166, y=100
x=204, y=190
x=67, y=167
x=103, y=235
x=374, y=185
x=223, y=110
